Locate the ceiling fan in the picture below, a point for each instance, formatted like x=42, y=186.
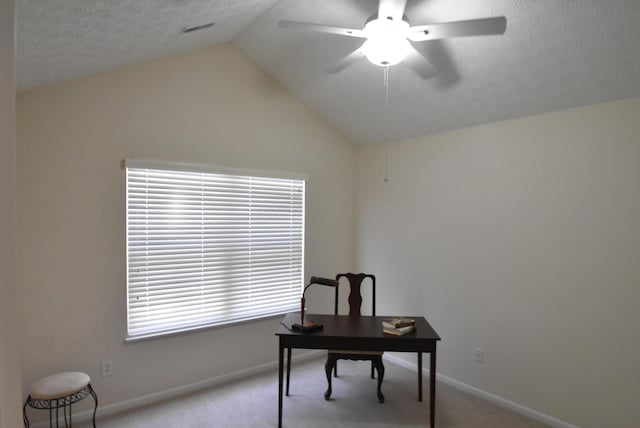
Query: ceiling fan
x=388, y=36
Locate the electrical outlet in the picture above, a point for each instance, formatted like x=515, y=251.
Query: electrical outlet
x=107, y=368
x=479, y=355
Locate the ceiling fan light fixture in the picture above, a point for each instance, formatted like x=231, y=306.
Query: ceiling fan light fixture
x=389, y=39
x=386, y=41
x=385, y=52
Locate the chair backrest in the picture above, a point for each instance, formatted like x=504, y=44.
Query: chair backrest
x=355, y=295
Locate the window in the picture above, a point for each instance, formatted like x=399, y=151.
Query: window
x=209, y=246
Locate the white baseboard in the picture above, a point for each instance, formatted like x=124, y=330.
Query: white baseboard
x=111, y=409
x=503, y=402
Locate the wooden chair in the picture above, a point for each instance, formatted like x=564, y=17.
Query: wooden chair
x=355, y=304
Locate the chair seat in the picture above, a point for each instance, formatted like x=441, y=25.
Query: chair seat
x=59, y=385
x=342, y=351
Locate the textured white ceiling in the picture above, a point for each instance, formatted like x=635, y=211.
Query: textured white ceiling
x=555, y=54
x=63, y=39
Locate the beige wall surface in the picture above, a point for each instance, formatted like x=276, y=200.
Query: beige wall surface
x=10, y=382
x=210, y=106
x=522, y=238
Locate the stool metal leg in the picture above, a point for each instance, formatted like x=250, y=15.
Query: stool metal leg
x=24, y=412
x=95, y=398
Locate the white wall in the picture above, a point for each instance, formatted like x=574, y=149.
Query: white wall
x=10, y=382
x=209, y=106
x=523, y=238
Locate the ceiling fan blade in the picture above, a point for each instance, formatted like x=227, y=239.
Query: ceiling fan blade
x=418, y=63
x=346, y=61
x=305, y=26
x=393, y=9
x=473, y=27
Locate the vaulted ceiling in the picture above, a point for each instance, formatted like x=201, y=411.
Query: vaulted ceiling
x=555, y=54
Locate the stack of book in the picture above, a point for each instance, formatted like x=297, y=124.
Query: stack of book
x=398, y=326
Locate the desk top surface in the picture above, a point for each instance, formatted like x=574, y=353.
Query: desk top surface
x=344, y=326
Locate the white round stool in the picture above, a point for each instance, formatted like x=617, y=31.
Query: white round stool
x=59, y=391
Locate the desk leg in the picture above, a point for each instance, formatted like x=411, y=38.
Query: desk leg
x=280, y=373
x=432, y=388
x=288, y=369
x=419, y=376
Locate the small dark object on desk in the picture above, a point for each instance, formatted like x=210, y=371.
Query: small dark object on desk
x=307, y=327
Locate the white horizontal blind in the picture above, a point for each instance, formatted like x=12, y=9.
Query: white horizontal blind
x=206, y=248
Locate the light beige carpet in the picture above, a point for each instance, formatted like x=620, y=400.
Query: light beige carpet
x=253, y=402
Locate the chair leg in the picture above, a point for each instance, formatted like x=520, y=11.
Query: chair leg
x=372, y=367
x=380, y=368
x=328, y=367
x=335, y=369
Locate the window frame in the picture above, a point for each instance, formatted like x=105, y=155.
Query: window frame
x=298, y=181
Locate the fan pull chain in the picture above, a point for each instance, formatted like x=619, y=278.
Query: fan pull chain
x=386, y=125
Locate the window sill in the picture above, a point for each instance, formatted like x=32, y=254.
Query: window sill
x=198, y=329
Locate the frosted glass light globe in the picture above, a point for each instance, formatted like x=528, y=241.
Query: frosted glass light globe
x=386, y=41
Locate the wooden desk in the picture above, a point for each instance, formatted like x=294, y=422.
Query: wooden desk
x=359, y=333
